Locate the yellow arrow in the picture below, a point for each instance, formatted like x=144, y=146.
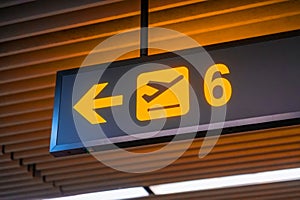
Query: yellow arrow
x=87, y=104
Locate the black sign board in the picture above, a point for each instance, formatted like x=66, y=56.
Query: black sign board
x=140, y=101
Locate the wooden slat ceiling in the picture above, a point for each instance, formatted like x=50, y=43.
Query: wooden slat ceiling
x=39, y=38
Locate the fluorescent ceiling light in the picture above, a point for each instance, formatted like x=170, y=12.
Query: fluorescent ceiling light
x=109, y=195
x=227, y=181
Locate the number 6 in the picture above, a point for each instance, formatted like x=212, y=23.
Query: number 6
x=210, y=84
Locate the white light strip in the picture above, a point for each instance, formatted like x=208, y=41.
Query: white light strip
x=227, y=181
x=109, y=195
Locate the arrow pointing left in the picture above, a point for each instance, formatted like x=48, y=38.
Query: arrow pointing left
x=87, y=104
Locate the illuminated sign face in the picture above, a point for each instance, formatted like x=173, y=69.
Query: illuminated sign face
x=141, y=101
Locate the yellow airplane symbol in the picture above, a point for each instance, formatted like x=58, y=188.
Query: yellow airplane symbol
x=87, y=104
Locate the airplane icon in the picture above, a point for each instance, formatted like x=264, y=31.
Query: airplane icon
x=162, y=93
x=161, y=88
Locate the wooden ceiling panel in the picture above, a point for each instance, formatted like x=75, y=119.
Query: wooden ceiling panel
x=13, y=171
x=26, y=128
x=25, y=118
x=27, y=145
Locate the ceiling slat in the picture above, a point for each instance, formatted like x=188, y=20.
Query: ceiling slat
x=13, y=171
x=33, y=84
x=31, y=153
x=26, y=118
x=26, y=128
x=6, y=179
x=36, y=194
x=30, y=188
x=5, y=158
x=7, y=3
x=37, y=135
x=21, y=183
x=28, y=107
x=9, y=165
x=24, y=97
x=26, y=145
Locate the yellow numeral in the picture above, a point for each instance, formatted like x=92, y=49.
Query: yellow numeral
x=210, y=84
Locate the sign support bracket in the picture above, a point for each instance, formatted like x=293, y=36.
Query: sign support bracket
x=144, y=28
